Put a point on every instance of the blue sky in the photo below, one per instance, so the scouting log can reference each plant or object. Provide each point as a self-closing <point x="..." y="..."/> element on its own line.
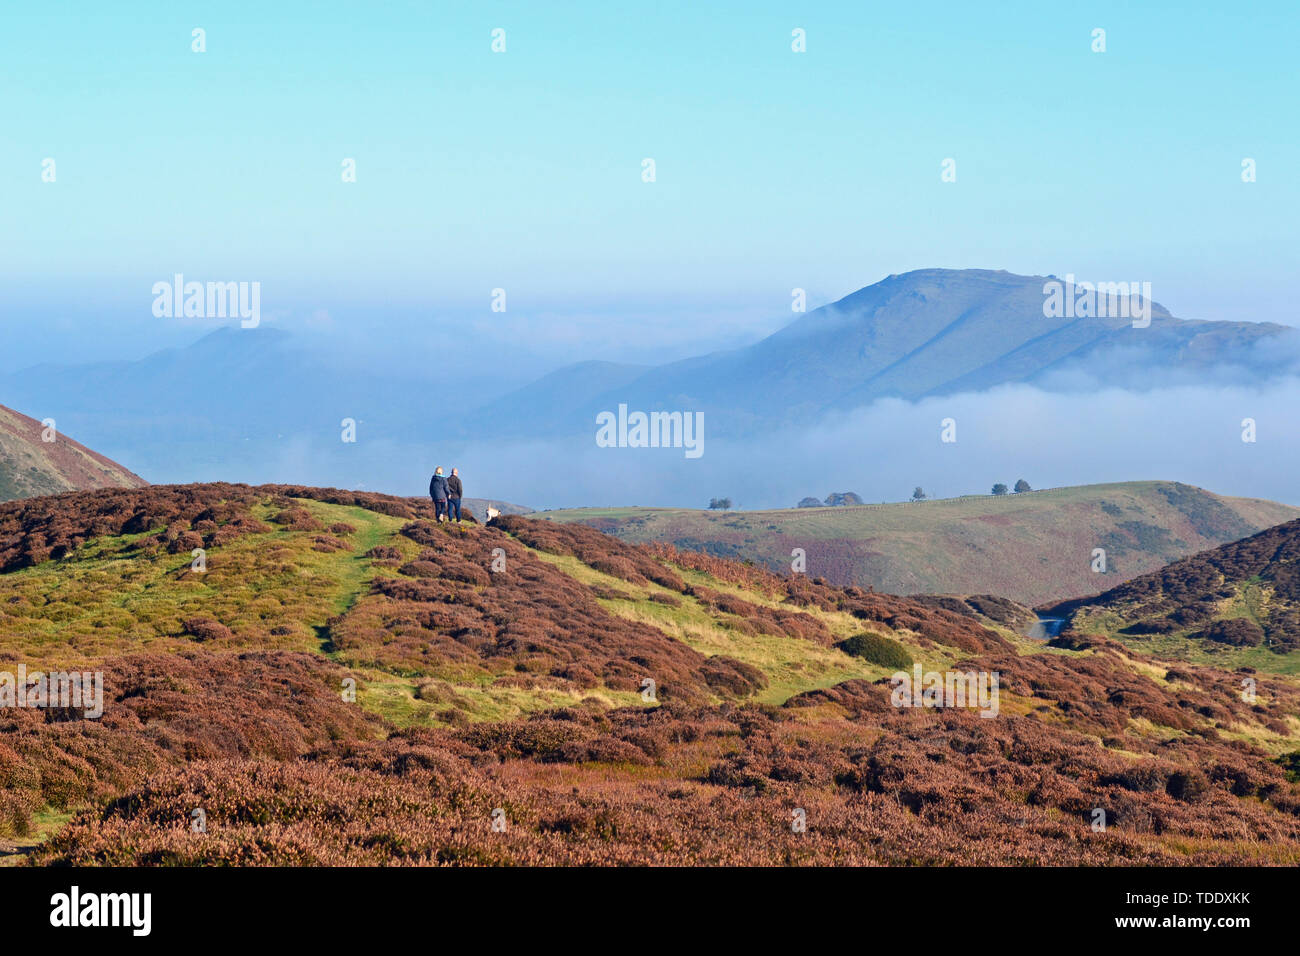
<point x="522" y="170"/>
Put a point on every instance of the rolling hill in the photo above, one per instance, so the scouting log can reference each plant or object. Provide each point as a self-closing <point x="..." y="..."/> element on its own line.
<point x="30" y="466"/>
<point x="923" y="333"/>
<point x="1236" y="606"/>
<point x="346" y="682"/>
<point x="1032" y="548"/>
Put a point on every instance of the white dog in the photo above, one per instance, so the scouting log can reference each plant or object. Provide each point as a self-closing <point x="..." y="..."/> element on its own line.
<point x="492" y="514"/>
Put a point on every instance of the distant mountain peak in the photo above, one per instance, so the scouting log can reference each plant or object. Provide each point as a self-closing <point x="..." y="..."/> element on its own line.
<point x="914" y="335"/>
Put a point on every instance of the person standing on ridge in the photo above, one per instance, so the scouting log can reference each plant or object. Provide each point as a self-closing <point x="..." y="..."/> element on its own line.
<point x="454" y="492"/>
<point x="438" y="492"/>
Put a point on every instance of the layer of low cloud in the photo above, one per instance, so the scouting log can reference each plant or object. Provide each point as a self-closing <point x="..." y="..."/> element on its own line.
<point x="1191" y="434"/>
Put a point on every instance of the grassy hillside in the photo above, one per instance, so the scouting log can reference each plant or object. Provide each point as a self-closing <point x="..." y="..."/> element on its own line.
<point x="1032" y="547"/>
<point x="30" y="466"/>
<point x="500" y="674"/>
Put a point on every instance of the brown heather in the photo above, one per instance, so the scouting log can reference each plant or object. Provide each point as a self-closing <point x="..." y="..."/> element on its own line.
<point x="289" y="773"/>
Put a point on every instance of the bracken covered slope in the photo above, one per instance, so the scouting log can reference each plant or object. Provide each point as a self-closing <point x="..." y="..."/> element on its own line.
<point x="31" y="466"/>
<point x="1236" y="604"/>
<point x="342" y="680"/>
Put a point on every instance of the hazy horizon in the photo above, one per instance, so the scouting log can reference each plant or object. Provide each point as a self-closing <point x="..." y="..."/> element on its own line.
<point x="522" y="169"/>
<point x="465" y="210"/>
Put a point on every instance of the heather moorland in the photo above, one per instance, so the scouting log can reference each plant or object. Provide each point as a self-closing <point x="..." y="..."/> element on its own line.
<point x="343" y="680"/>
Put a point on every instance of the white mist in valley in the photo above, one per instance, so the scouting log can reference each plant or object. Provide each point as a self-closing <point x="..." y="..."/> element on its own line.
<point x="1191" y="434"/>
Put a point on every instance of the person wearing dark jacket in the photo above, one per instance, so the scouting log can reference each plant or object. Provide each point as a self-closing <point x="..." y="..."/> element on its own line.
<point x="438" y="492"/>
<point x="454" y="491"/>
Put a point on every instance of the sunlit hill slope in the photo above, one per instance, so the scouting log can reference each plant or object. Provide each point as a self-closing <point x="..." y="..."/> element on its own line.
<point x="342" y="680"/>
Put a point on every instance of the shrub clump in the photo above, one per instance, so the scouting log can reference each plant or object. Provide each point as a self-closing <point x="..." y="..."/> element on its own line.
<point x="206" y="629"/>
<point x="1238" y="632"/>
<point x="876" y="649"/>
<point x="1187" y="785"/>
<point x="327" y="543"/>
<point x="732" y="676"/>
<point x="297" y="519"/>
<point x="185" y="541"/>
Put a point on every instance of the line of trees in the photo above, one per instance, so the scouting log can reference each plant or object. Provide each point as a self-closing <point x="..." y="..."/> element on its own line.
<point x="836" y="499"/>
<point x="918" y="493"/>
<point x="1021" y="487"/>
<point x="849" y="498"/>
